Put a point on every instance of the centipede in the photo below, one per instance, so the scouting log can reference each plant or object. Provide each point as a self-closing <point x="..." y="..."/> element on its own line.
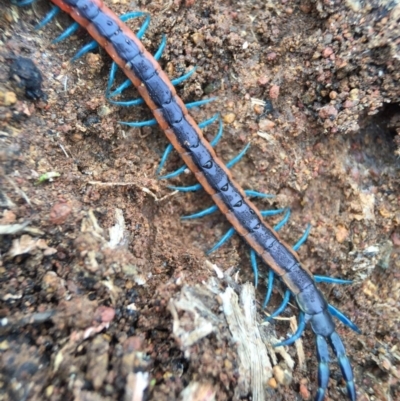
<point x="158" y="92"/>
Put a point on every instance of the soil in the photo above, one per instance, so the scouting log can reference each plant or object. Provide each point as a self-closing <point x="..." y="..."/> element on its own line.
<point x="106" y="294"/>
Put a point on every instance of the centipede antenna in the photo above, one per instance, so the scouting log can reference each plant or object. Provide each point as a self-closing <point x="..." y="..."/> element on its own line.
<point x="271" y="276"/>
<point x="302" y="239"/>
<point x="85" y="49"/>
<point x="254" y="265"/>
<point x="343" y="318"/>
<point x="331" y="280"/>
<point x="323" y="366"/>
<point x="338" y="348"/>
<point x="267" y="213"/>
<point x="225" y="238"/>
<point x="296" y="335"/>
<point x="202" y="213"/>
<point x="66" y="33"/>
<point x="49" y="16"/>
<point x="281" y="307"/>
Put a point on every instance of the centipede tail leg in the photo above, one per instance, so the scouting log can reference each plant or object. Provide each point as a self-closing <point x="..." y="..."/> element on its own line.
<point x="344" y="363"/>
<point x="343" y="318"/>
<point x="323" y="366"/>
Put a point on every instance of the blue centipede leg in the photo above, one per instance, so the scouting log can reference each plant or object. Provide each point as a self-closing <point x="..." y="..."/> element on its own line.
<point x="212" y="143"/>
<point x="295" y="336"/>
<point x="164" y="157"/>
<point x="139" y="124"/>
<point x="184" y="77"/>
<point x="49" y="16"/>
<point x="281" y="307"/>
<point x="283" y="221"/>
<point x="302" y="239"/>
<point x="250" y="193"/>
<point x="343" y="318"/>
<point x="85" y="49"/>
<point x="191" y="188"/>
<point x="267" y="213"/>
<point x="323" y="366"/>
<point x="331" y="280"/>
<point x="344" y="363"/>
<point x="67" y="33"/>
<point x="203" y="213"/>
<point x="127" y="83"/>
<point x="225" y="238"/>
<point x="237" y="158"/>
<point x="254" y="265"/>
<point x="271" y="276"/>
<point x="22" y="3"/>
<point x="199" y="103"/>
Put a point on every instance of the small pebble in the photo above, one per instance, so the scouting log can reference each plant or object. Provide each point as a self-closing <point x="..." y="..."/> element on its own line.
<point x="266" y="125"/>
<point x="229" y="118"/>
<point x="341" y="234"/>
<point x="328" y="112"/>
<point x="274" y="92"/>
<point x="327" y="52"/>
<point x="59" y="213"/>
<point x="7" y="98"/>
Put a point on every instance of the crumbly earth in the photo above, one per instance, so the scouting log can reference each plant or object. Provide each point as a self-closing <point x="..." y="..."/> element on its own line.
<point x="313" y="85"/>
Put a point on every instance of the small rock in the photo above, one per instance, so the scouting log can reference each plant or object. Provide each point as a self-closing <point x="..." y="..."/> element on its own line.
<point x="59" y="213"/>
<point x="7" y="98"/>
<point x="272" y="383"/>
<point x="263" y="80"/>
<point x="304" y="392"/>
<point x="341" y="234"/>
<point x="333" y="95"/>
<point x="229" y="118"/>
<point x="327" y="52"/>
<point x="328" y="112"/>
<point x="282" y="376"/>
<point x="271" y="56"/>
<point x="274" y="92"/>
<point x="266" y="125"/>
